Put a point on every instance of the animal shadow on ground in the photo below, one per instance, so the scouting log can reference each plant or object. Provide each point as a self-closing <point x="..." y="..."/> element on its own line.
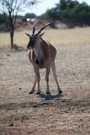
<point x="50" y="97"/>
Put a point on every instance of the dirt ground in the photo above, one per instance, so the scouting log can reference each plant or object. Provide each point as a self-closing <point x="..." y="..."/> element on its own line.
<point x="66" y="114"/>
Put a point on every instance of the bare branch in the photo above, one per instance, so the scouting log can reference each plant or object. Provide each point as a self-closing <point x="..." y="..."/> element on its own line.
<point x="11" y="8"/>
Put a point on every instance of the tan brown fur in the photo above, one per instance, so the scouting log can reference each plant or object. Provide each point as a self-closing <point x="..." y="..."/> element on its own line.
<point x="49" y="54"/>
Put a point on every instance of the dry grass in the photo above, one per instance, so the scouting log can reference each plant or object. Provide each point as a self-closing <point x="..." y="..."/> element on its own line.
<point x="24" y="114"/>
<point x="56" y="36"/>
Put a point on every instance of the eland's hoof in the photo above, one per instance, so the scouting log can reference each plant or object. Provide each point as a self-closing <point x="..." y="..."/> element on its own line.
<point x="31" y="92"/>
<point x="48" y="92"/>
<point x="59" y="91"/>
<point x="38" y="92"/>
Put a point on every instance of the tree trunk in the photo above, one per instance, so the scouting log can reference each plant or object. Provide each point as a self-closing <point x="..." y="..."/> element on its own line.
<point x="11" y="28"/>
<point x="12" y="37"/>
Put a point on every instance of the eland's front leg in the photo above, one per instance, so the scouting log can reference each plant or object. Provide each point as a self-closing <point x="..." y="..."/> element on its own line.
<point x="33" y="88"/>
<point x="47" y="80"/>
<point x="37" y="80"/>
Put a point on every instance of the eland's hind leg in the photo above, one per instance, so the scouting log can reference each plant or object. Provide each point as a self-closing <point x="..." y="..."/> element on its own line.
<point x="55" y="77"/>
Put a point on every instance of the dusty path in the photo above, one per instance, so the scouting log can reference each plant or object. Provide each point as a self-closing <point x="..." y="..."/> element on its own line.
<point x="24" y="114"/>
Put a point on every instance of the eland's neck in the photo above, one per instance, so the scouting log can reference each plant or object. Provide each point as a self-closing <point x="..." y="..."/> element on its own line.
<point x="38" y="50"/>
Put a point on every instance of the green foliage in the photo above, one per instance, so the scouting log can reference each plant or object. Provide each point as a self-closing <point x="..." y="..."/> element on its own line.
<point x="52" y="13"/>
<point x="71" y="12"/>
<point x="30" y="15"/>
<point x="2" y="19"/>
<point x="78" y="15"/>
<point x="67" y="4"/>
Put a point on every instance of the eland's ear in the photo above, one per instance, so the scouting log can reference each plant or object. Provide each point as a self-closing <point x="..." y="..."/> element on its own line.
<point x="41" y="34"/>
<point x="27" y="35"/>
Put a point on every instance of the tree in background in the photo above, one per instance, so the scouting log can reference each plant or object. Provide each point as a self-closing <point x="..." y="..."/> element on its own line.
<point x="75" y="13"/>
<point x="30" y="15"/>
<point x="10" y="10"/>
<point x="52" y="13"/>
<point x="70" y="12"/>
<point x="2" y="20"/>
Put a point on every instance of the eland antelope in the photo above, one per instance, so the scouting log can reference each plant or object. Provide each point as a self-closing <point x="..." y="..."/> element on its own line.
<point x="42" y="55"/>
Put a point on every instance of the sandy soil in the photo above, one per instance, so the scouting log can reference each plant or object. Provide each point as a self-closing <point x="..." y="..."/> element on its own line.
<point x="66" y="114"/>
